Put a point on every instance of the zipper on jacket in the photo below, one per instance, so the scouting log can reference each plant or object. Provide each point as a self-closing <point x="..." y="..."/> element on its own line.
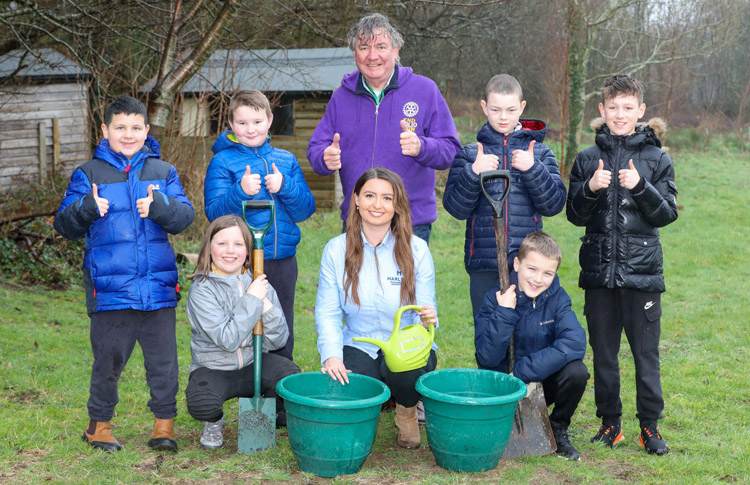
<point x="275" y="228"/>
<point x="505" y="167"/>
<point x="375" y="136"/>
<point x="615" y="204"/>
<point x="135" y="228"/>
<point x="239" y="349"/>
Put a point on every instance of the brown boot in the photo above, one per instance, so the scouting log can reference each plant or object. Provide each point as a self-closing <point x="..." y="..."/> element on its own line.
<point x="162" y="438"/>
<point x="99" y="435"/>
<point x="408" y="427"/>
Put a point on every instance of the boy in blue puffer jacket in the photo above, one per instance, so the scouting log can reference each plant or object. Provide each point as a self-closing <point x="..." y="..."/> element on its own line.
<point x="550" y="342"/>
<point x="509" y="143"/>
<point x="125" y="202"/>
<point x="241" y="156"/>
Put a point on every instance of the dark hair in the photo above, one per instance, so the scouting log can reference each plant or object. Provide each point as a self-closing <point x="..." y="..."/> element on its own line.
<point x="621" y="85"/>
<point x="400" y="229"/>
<point x="126" y="105"/>
<point x="542" y="243"/>
<point x="251" y="98"/>
<point x="503" y="84"/>
<point x="203" y="266"/>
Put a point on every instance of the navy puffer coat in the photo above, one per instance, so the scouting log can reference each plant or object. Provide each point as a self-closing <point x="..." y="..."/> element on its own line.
<point x="547" y="333"/>
<point x="534" y="193"/>
<point x="621" y="247"/>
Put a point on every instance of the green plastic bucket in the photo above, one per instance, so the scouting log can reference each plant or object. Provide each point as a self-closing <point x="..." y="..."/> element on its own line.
<point x="331" y="426"/>
<point x="469" y="416"/>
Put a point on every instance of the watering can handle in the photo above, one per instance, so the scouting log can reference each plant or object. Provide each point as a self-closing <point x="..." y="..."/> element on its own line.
<point x="397" y="318"/>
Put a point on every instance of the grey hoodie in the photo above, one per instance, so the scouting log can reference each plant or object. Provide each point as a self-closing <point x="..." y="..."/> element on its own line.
<point x="222" y="316"/>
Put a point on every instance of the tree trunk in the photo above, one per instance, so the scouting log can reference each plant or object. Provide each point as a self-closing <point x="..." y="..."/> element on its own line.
<point x="170" y="81"/>
<point x="577" y="59"/>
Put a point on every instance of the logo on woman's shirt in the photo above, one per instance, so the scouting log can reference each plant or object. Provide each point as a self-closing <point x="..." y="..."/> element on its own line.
<point x="395" y="280"/>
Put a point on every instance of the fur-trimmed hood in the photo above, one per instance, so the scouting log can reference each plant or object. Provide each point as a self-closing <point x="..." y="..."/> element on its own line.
<point x="658" y="125"/>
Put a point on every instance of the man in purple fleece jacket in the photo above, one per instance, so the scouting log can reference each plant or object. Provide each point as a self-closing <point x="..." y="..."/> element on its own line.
<point x="384" y="115"/>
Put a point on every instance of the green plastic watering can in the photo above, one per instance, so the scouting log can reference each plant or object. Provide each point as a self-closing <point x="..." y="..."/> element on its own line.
<point x="408" y="348"/>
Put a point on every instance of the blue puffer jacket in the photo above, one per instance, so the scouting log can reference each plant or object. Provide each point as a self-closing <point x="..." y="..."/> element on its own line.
<point x="547" y="333"/>
<point x="223" y="195"/>
<point x="129" y="262"/>
<point x="537" y="192"/>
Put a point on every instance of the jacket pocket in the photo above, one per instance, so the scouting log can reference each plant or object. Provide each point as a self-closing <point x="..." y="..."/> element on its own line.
<point x="590" y="256"/>
<point x="643" y="255"/>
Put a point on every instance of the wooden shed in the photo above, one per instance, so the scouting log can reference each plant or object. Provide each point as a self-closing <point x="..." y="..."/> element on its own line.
<point x="299" y="83"/>
<point x="44" y="116"/>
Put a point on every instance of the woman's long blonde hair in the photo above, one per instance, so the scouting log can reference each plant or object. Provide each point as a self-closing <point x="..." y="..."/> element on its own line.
<point x="203" y="267"/>
<point x="400" y="229"/>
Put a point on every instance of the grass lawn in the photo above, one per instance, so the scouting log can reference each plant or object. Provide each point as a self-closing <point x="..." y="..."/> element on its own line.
<point x="45" y="361"/>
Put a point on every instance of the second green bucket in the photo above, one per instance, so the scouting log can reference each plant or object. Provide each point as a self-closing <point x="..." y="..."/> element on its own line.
<point x="469" y="415"/>
<point x="331" y="426"/>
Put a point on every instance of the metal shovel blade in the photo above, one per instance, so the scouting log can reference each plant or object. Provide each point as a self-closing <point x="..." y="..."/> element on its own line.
<point x="531" y="434"/>
<point x="256" y="426"/>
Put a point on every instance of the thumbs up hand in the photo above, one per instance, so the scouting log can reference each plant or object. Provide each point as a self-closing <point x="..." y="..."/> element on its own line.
<point x="601" y="178"/>
<point x="101" y="204"/>
<point x="629" y="177"/>
<point x="274" y="180"/>
<point x="332" y="154"/>
<point x="523" y="159"/>
<point x="410" y="142"/>
<point x="144" y="204"/>
<point x="484" y="162"/>
<point x="250" y="182"/>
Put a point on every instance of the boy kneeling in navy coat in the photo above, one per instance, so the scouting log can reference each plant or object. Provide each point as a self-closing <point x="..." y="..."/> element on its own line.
<point x="550" y="342"/>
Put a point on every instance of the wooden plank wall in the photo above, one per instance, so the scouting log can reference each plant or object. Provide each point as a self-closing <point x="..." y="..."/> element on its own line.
<point x="307" y="114"/>
<point x="22" y="108"/>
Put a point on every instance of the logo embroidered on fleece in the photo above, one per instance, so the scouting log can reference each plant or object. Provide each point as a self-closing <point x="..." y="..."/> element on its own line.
<point x="546" y="322"/>
<point x="411" y="109"/>
<point x="395" y="280"/>
<point x="648" y="305"/>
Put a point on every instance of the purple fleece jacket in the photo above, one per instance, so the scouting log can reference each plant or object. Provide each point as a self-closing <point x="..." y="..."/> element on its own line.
<point x="370" y="136"/>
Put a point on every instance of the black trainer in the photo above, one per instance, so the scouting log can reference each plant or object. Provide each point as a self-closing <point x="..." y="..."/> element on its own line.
<point x="610" y="433"/>
<point x="564" y="448"/>
<point x="652" y="441"/>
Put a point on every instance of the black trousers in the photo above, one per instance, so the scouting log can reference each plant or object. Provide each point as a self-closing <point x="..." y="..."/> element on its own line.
<point x="208" y="389"/>
<point x="401" y="384"/>
<point x="282" y="275"/>
<point x="565" y="389"/>
<point x="608" y="312"/>
<point x="113" y="336"/>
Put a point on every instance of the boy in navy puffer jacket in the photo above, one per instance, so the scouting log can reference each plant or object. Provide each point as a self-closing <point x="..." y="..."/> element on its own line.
<point x="125" y="202"/>
<point x="509" y="143"/>
<point x="550" y="343"/>
<point x="241" y="156"/>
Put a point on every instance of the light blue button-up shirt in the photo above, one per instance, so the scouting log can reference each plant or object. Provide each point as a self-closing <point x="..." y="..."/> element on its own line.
<point x="379" y="295"/>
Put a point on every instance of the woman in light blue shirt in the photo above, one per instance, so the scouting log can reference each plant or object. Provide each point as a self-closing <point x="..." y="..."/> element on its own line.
<point x="366" y="274"/>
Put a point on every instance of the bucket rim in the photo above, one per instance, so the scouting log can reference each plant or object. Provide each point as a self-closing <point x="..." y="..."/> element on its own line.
<point x="288" y="395"/>
<point x="430" y="393"/>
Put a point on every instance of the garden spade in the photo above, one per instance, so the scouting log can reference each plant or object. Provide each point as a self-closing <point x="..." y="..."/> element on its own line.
<point x="256" y="428"/>
<point x="531" y="433"/>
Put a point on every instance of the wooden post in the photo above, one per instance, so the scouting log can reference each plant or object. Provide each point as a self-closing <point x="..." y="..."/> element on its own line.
<point x="42" y="153"/>
<point x="55" y="145"/>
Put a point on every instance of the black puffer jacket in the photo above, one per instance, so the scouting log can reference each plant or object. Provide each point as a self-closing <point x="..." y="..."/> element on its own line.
<point x="621" y="247"/>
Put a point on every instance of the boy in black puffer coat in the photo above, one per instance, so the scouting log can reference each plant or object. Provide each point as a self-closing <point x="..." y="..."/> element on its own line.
<point x="622" y="190"/>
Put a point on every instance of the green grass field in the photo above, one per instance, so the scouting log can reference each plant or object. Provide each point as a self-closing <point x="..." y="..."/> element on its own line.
<point x="45" y="361"/>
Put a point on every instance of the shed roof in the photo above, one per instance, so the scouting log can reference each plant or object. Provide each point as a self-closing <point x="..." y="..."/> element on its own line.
<point x="42" y="63"/>
<point x="290" y="70"/>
